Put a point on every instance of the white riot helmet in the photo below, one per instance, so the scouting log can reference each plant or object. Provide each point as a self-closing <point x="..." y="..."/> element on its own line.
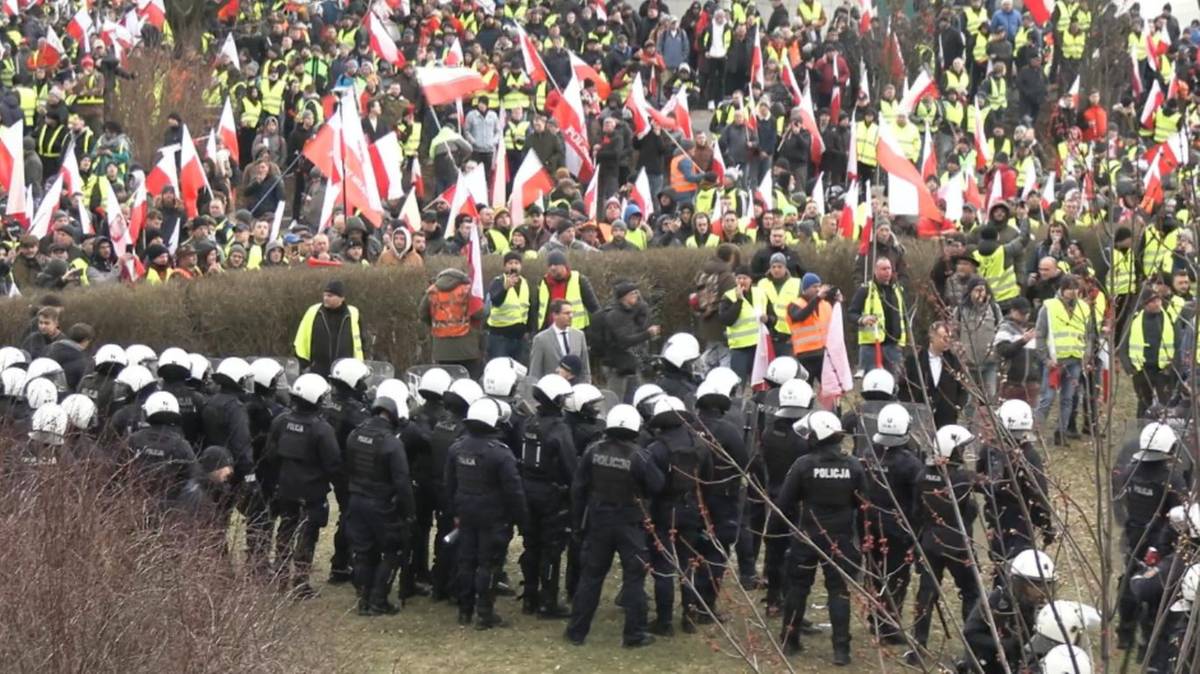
<point x="434" y="383"/>
<point x="111" y="354"/>
<point x="821" y="426"/>
<point x="1016" y="416"/>
<point x="1187" y="590"/>
<point x="505" y="411"/>
<point x="351" y="373"/>
<point x="506" y="363"/>
<point x="466" y="390"/>
<point x="949" y="438"/>
<point x="12" y="379"/>
<point x="553" y="388"/>
<point x="81" y="411"/>
<point x="160" y="402"/>
<point x="1156" y="442"/>
<point x="266" y="373"/>
<point x="782" y="370"/>
<point x="395" y="405"/>
<point x="1065" y="622"/>
<point x="891" y="428"/>
<point x="135" y="379"/>
<point x="310" y="388"/>
<point x="1193" y="520"/>
<point x="723" y="379"/>
<point x="581" y="396"/>
<point x="500" y="382"/>
<point x="176" y="358"/>
<point x="140" y="354"/>
<point x="49" y="424"/>
<point x="200" y="366"/>
<point x="712" y="393"/>
<point x="623" y="419"/>
<point x="11" y="356"/>
<point x="1033" y="565"/>
<point x="681" y="348"/>
<point x="46" y="368"/>
<point x="1066" y="659"/>
<point x="236" y="372"/>
<point x="795" y="399"/>
<point x="393" y="388"/>
<point x="40" y="392"/>
<point x="880" y="383"/>
<point x="485" y="412"/>
<point x="645" y="392"/>
<point x="668" y="411"/>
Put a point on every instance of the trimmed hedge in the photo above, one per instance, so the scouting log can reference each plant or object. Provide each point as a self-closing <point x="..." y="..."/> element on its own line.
<point x="256" y="312"/>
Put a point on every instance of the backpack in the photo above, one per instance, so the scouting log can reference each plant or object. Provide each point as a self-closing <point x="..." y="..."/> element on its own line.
<point x="708" y="294"/>
<point x="599" y="333"/>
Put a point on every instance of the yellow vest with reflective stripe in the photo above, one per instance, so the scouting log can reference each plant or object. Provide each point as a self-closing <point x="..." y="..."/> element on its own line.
<point x="498" y="240"/>
<point x="154" y="278"/>
<point x="514" y="135"/>
<point x="272" y="96"/>
<point x="958" y="81"/>
<point x="1121" y="280"/>
<point x="1157" y="249"/>
<point x="1066" y="10"/>
<point x="744" y="332"/>
<point x="412" y="143"/>
<point x="973" y="19"/>
<point x="303" y="342"/>
<point x="710" y="241"/>
<point x="1137" y="342"/>
<point x="1067" y="329"/>
<point x="908" y="140"/>
<point x="1072" y="45"/>
<point x="515" y="308"/>
<point x="1165" y="125"/>
<point x="579" y="313"/>
<point x="251" y="113"/>
<point x="82" y="265"/>
<point x="780" y="299"/>
<point x="873" y="306"/>
<point x="866" y="138"/>
<point x="28" y="99"/>
<point x="998" y="273"/>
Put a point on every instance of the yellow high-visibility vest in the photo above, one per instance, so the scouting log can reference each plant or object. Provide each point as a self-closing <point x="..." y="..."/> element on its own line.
<point x="515" y="308"/>
<point x="744" y="332"/>
<point x="1068" y="330"/>
<point x="1137" y="342"/>
<point x="780" y="299"/>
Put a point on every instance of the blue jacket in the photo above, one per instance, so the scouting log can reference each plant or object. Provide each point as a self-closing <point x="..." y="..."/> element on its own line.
<point x="1010" y="21"/>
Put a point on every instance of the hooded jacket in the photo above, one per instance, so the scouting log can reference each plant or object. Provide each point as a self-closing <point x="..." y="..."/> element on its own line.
<point x="451" y="348"/>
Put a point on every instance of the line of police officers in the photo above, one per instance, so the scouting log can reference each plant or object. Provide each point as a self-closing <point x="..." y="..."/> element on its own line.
<point x="660" y="483"/>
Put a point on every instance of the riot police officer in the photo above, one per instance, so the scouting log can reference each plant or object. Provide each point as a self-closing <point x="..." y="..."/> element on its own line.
<point x="713" y="400"/>
<point x="1168" y="655"/>
<point x="500" y="380"/>
<point x="548" y="460"/>
<point x="98" y="384"/>
<point x="878" y="389"/>
<point x="174" y="368"/>
<point x="1149" y="487"/>
<point x="487" y="498"/>
<point x="132" y="387"/>
<point x="887" y="543"/>
<point x="1062" y="622"/>
<point x="1010" y="609"/>
<point x="582" y="414"/>
<point x="262" y="407"/>
<point x="827" y="486"/>
<point x="161" y="458"/>
<point x="944" y="517"/>
<point x="1156" y="580"/>
<point x="686" y="461"/>
<point x="345" y="409"/>
<point x="381" y="500"/>
<point x="780" y="446"/>
<point x="1015" y="484"/>
<point x="456" y="400"/>
<point x="416" y="436"/>
<point x="304" y="451"/>
<point x="678" y="353"/>
<point x="610" y="496"/>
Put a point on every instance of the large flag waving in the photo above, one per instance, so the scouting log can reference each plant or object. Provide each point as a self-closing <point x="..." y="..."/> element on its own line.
<point x="444" y="85"/>
<point x="907" y="192"/>
<point x="382" y="43"/>
<point x="569" y="115"/>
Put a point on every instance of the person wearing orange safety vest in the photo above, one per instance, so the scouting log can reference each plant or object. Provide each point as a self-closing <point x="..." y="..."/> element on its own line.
<point x="446" y="308"/>
<point x="808" y="320"/>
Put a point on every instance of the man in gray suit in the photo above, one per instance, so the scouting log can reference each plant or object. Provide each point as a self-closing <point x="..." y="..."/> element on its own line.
<point x="557" y="340"/>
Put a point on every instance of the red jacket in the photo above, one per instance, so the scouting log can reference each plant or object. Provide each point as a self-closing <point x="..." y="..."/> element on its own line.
<point x="1094" y="122"/>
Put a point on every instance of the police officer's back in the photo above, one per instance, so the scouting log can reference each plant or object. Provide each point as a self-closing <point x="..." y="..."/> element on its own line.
<point x="344" y="408"/>
<point x="98" y="384"/>
<point x="131" y="389"/>
<point x="174" y="369"/>
<point x="160" y="457"/>
<point x="678" y="353"/>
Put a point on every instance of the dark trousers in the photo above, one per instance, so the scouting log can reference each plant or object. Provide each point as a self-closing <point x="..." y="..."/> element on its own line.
<point x="754" y="515"/>
<point x="628" y="542"/>
<point x="930" y="588"/>
<point x="499" y="346"/>
<point x="803" y="561"/>
<point x="890" y="569"/>
<point x="813" y="362"/>
<point x="481" y="550"/>
<point x="714" y="80"/>
<point x="300" y="524"/>
<point x="340" y="562"/>
<point x="416" y="565"/>
<point x="545" y="538"/>
<point x="259" y="524"/>
<point x="444" y="558"/>
<point x="1151" y="385"/>
<point x="376" y="533"/>
<point x="689" y="542"/>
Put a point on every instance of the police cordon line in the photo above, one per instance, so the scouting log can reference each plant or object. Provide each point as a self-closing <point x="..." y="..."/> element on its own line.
<point x="675" y="485"/>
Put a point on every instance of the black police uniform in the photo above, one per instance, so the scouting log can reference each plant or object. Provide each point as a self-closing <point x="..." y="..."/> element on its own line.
<point x="780" y="448"/>
<point x="447" y="430"/>
<point x="585" y="429"/>
<point x="381" y="505"/>
<point x="191" y="403"/>
<point x="345" y="410"/>
<point x="726" y="493"/>
<point x="548" y="461"/>
<point x="416" y="436"/>
<point x="827" y="486"/>
<point x="128" y="417"/>
<point x="754" y="511"/>
<point x="946" y="545"/>
<point x="1014" y="621"/>
<point x="1012" y="476"/>
<point x="1149" y="489"/>
<point x="887" y="541"/>
<point x="487" y="497"/>
<point x="610" y="495"/>
<point x="687" y="463"/>
<point x="305" y="453"/>
<point x="98" y="386"/>
<point x="1150" y="587"/>
<point x="678" y="383"/>
<point x="164" y="464"/>
<point x="261" y="410"/>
